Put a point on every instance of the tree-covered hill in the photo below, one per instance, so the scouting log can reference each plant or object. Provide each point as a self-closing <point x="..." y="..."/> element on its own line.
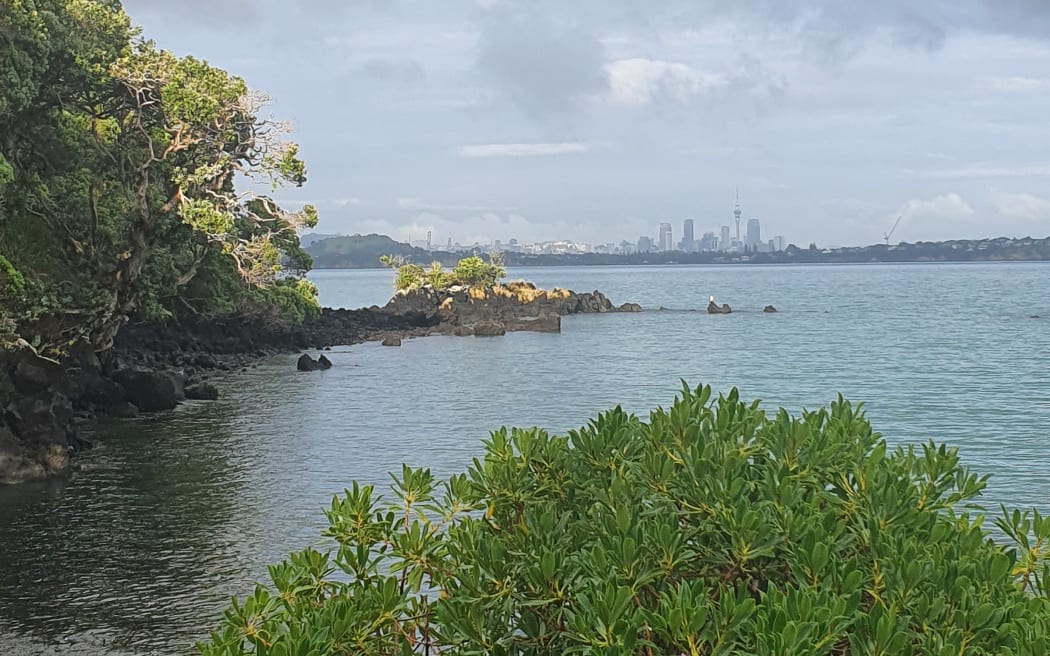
<point x="364" y="251"/>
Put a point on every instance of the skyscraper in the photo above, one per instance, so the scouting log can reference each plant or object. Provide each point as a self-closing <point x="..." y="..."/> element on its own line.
<point x="723" y="244"/>
<point x="666" y="242"/>
<point x="736" y="213"/>
<point x="754" y="233"/>
<point x="645" y="244"/>
<point x="687" y="236"/>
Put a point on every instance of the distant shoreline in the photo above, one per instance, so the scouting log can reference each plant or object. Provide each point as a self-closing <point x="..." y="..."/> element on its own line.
<point x="712" y="264"/>
<point x="363" y="252"/>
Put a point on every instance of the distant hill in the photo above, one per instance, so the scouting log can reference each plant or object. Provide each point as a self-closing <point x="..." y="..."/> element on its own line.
<point x="364" y="251"/>
<point x="312" y="238"/>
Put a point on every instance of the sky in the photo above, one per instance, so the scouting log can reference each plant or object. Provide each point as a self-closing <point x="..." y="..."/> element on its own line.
<point x="596" y="120"/>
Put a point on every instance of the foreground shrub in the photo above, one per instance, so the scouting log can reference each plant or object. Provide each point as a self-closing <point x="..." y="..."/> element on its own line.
<point x="711" y="528"/>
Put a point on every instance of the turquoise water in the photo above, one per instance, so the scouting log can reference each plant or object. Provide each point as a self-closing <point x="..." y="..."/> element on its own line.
<point x="139" y="552"/>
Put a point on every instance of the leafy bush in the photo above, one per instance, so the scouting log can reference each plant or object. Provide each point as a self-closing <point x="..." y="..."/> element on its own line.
<point x="289" y="301"/>
<point x="476" y="271"/>
<point x="711" y="528"/>
<point x="468" y="271"/>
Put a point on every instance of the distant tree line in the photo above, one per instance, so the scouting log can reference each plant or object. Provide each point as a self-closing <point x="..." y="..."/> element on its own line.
<point x="364" y="251"/>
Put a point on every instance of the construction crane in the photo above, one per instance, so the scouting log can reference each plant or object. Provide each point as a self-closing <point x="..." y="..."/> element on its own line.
<point x="889" y="234"/>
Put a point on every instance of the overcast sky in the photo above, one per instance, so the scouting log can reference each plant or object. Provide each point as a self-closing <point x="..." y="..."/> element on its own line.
<point x="596" y="120"/>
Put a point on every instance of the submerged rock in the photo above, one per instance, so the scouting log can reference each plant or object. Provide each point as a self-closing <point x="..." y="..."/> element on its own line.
<point x="125" y="410"/>
<point x="202" y="392"/>
<point x="307" y="363"/>
<point x="769" y="308"/>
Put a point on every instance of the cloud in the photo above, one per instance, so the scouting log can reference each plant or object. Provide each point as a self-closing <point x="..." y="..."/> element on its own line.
<point x="987" y="171"/>
<point x="1025" y="207"/>
<point x="417" y="204"/>
<point x="544" y="67"/>
<point x="521" y="149"/>
<point x="947" y="207"/>
<point x="638" y="81"/>
<point x="403" y="70"/>
<point x="1016" y="84"/>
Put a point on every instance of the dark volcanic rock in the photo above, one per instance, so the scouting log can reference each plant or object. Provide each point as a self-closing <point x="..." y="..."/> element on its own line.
<point x="769" y="308"/>
<point x="547" y="322"/>
<point x="202" y="392"/>
<point x="713" y="308"/>
<point x="150" y="391"/>
<point x="125" y="410"/>
<point x="324" y="363"/>
<point x="37" y="420"/>
<point x="489" y="328"/>
<point x="306" y="363"/>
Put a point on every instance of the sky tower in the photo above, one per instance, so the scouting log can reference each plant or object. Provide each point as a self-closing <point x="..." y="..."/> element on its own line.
<point x="737" y="213"/>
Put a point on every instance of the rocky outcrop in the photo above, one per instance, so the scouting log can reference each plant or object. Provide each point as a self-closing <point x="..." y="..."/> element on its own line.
<point x="769" y="309"/>
<point x="714" y="308"/>
<point x="514" y="306"/>
<point x="392" y="341"/>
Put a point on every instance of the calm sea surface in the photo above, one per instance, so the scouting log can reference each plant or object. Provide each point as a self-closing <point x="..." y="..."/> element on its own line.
<point x="171" y="515"/>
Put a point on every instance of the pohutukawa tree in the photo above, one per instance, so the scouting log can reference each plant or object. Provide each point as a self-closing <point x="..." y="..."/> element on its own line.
<point x="119" y="173"/>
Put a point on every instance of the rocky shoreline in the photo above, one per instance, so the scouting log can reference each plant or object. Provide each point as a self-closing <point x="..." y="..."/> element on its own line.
<point x="153" y="367"/>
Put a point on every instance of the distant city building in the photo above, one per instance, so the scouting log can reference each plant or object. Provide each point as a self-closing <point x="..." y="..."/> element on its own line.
<point x="737" y="212"/>
<point x="754" y="233"/>
<point x="777" y="243"/>
<point x="645" y="244"/>
<point x="709" y="242"/>
<point x="666" y="242"/>
<point x="688" y="242"/>
<point x="723" y="243"/>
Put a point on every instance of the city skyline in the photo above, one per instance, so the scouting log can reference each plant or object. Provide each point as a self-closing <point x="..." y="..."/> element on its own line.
<point x="725" y="241"/>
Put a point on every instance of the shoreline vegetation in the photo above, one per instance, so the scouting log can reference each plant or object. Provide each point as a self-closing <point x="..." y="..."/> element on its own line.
<point x="365" y="251"/>
<point x="709" y="527"/>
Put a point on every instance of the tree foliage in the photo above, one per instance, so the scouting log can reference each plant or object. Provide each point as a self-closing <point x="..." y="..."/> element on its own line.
<point x="118" y="164"/>
<point x="711" y="528"/>
<point x="468" y="271"/>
